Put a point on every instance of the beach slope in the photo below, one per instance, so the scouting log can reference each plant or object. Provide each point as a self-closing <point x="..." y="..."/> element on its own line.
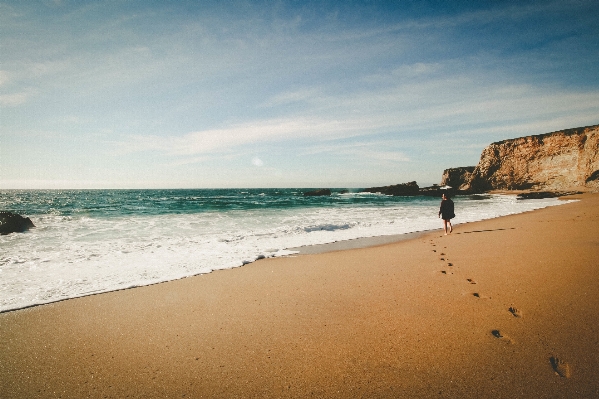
<point x="502" y="308"/>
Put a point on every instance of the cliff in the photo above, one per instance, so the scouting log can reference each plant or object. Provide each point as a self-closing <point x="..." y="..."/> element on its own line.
<point x="553" y="161"/>
<point x="456" y="177"/>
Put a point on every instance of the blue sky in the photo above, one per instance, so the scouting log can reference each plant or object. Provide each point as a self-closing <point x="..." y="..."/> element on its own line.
<point x="193" y="94"/>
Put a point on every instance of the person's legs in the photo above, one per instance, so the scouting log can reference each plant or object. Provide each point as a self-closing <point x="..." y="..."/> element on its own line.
<point x="445" y="223"/>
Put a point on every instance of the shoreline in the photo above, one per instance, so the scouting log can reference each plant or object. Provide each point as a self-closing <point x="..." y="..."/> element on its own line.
<point x="506" y="307"/>
<point x="313" y="249"/>
<point x="309" y="249"/>
<point x="356" y="243"/>
<point x="366" y="242"/>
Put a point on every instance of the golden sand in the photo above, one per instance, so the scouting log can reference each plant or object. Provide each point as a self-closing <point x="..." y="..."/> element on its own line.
<point x="502" y="308"/>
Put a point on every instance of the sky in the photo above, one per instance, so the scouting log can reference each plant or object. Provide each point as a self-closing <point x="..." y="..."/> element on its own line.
<point x="210" y="94"/>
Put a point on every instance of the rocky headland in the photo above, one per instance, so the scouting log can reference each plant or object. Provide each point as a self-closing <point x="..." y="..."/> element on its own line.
<point x="543" y="165"/>
<point x="563" y="160"/>
<point x="456" y="177"/>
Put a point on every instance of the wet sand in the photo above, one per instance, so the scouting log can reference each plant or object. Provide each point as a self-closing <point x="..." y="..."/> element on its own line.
<point x="502" y="308"/>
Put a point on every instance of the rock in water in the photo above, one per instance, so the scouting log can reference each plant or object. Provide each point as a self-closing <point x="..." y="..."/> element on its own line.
<point x="546" y="194"/>
<point x="457" y="177"/>
<point x="13" y="223"/>
<point x="404" y="189"/>
<point x="316" y="193"/>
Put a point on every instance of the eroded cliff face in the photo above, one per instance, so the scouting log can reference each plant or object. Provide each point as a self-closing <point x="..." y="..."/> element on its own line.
<point x="554" y="161"/>
<point x="456" y="177"/>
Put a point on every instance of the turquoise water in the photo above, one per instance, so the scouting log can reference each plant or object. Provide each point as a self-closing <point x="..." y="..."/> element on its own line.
<point x="115" y="203"/>
<point x="90" y="241"/>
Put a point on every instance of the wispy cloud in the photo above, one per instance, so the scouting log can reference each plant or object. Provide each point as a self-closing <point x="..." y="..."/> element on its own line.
<point x="16" y="99"/>
<point x="3" y="77"/>
<point x="212" y="140"/>
<point x="305" y="95"/>
<point x="378" y="150"/>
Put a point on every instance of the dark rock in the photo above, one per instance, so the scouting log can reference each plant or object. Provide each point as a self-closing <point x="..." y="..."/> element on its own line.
<point x="593" y="176"/>
<point x="404" y="189"/>
<point x="545" y="194"/>
<point x="317" y="193"/>
<point x="457" y="177"/>
<point x="13" y="223"/>
<point x="537" y="195"/>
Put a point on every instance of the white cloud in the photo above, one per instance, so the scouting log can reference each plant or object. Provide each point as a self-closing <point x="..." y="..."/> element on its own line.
<point x="189" y="161"/>
<point x="214" y="140"/>
<point x="3" y="77"/>
<point x="257" y="162"/>
<point x="405" y="72"/>
<point x="290" y="97"/>
<point x="14" y="99"/>
<point x="363" y="151"/>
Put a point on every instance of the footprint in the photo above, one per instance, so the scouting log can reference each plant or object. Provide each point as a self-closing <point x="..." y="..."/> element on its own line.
<point x="515" y="312"/>
<point x="442" y="253"/>
<point x="472" y="281"/>
<point x="560" y="367"/>
<point x="443" y="271"/>
<point x="449" y="264"/>
<point x="476" y="294"/>
<point x="442" y="258"/>
<point x="496" y="334"/>
<point x="499" y="335"/>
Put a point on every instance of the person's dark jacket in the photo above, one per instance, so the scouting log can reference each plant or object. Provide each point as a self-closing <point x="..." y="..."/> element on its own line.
<point x="447" y="210"/>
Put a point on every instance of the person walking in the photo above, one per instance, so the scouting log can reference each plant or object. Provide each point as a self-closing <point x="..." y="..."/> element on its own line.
<point x="446" y="212"/>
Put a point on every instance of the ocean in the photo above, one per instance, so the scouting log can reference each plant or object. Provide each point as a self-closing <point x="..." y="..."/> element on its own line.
<point x="91" y="241"/>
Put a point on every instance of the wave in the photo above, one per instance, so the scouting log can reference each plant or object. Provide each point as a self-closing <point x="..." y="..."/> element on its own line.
<point x="327" y="227"/>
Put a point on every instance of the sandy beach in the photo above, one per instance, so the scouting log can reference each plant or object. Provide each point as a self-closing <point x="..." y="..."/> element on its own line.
<point x="503" y="308"/>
